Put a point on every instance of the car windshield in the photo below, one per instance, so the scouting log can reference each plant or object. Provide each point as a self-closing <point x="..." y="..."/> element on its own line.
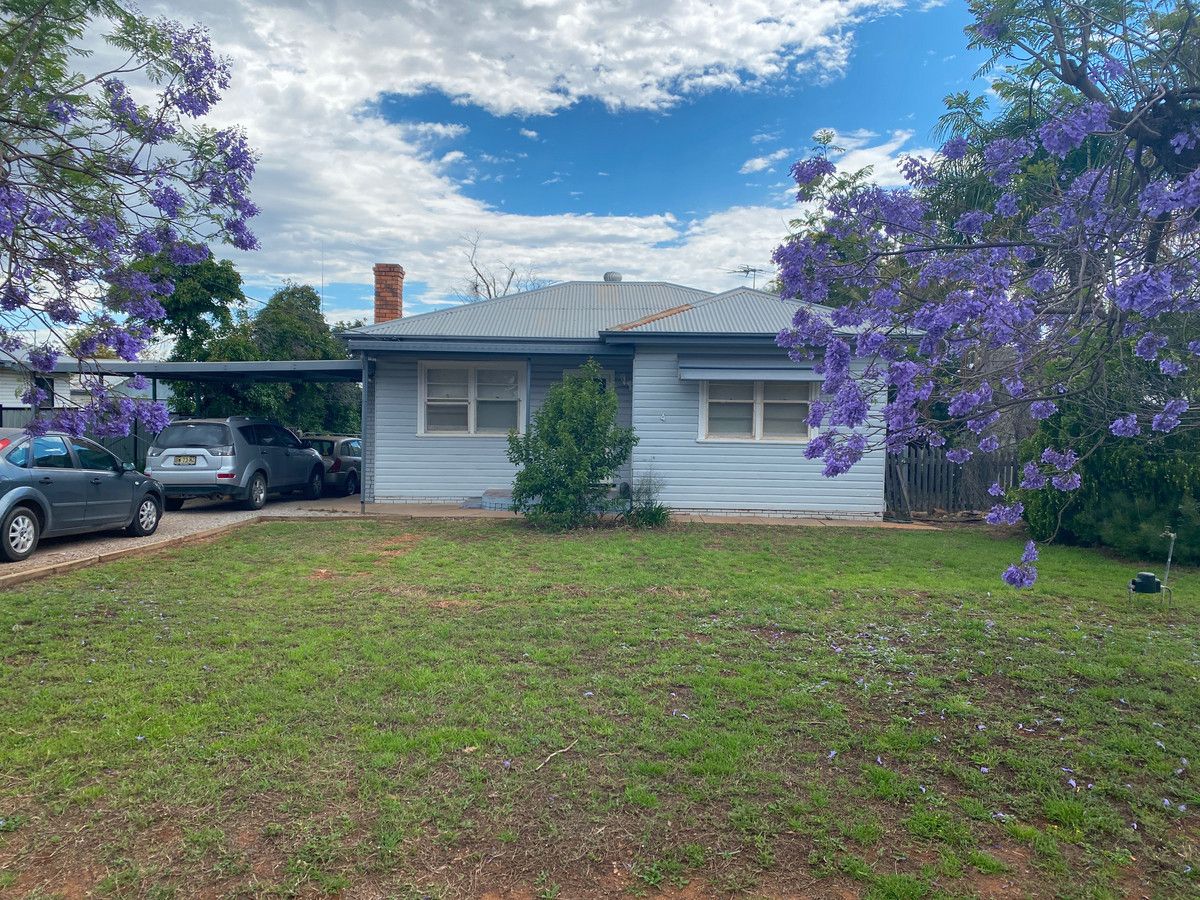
<point x="194" y="434"/>
<point x="325" y="448"/>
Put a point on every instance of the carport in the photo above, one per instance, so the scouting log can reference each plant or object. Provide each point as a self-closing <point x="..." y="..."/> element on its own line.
<point x="309" y="370"/>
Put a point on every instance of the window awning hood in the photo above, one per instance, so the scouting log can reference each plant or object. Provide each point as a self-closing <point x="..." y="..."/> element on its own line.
<point x="735" y="368"/>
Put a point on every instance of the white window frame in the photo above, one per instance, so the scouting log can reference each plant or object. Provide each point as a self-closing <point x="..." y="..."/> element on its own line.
<point x="471" y="368"/>
<point x="758" y="437"/>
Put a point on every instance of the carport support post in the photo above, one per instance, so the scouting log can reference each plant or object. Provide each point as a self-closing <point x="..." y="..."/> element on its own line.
<point x="366" y="482"/>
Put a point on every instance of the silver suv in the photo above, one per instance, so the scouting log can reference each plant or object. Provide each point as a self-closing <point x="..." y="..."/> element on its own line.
<point x="240" y="457"/>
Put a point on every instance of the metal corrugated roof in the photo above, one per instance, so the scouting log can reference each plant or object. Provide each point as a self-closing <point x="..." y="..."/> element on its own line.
<point x="739" y="311"/>
<point x="573" y="310"/>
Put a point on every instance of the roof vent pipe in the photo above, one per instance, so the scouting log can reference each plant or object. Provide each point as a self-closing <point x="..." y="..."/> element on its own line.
<point x="612" y="276"/>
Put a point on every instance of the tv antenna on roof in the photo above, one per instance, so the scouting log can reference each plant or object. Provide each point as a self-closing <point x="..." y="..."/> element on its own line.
<point x="751" y="272"/>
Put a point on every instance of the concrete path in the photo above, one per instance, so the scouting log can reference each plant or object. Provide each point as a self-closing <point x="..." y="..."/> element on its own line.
<point x="454" y="511"/>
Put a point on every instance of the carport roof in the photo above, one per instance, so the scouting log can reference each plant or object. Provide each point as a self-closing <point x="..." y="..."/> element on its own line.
<point x="315" y="370"/>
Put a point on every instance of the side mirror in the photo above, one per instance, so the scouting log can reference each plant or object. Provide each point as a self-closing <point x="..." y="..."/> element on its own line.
<point x="128" y="467"/>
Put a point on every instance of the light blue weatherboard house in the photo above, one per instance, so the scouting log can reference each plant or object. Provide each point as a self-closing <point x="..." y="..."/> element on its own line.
<point x="719" y="409"/>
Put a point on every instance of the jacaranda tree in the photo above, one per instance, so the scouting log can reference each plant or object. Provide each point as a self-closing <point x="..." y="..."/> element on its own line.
<point x="100" y="171"/>
<point x="1046" y="257"/>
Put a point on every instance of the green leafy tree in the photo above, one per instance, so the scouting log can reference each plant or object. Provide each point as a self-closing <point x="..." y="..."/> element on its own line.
<point x="202" y="304"/>
<point x="1130" y="494"/>
<point x="290" y="326"/>
<point x="572" y="447"/>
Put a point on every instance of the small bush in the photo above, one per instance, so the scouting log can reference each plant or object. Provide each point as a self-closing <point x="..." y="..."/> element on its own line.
<point x="644" y="509"/>
<point x="572" y="448"/>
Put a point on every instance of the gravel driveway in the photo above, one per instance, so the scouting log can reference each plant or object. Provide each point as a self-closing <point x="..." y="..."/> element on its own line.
<point x="196" y="517"/>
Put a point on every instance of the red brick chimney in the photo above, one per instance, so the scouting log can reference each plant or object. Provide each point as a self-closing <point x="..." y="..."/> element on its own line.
<point x="389" y="292"/>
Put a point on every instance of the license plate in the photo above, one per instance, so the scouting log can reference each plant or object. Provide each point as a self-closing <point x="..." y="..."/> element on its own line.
<point x="185" y="460"/>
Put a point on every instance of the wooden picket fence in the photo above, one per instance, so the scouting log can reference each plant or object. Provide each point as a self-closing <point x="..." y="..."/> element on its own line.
<point x="922" y="480"/>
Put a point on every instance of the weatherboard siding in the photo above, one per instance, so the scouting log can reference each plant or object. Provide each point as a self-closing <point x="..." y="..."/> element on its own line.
<point x="13" y="384"/>
<point x="730" y="476"/>
<point x="413" y="468"/>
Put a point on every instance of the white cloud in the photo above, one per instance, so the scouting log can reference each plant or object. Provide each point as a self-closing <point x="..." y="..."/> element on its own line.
<point x="528" y="133"/>
<point x="334" y="174"/>
<point x="864" y="148"/>
<point x="759" y="163"/>
<point x="538" y="56"/>
<point x="765" y="137"/>
<point x="434" y="131"/>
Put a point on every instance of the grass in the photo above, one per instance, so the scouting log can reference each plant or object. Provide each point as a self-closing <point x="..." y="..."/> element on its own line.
<point x="310" y="707"/>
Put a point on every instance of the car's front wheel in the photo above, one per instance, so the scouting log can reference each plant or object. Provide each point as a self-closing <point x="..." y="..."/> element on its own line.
<point x="19" y="534"/>
<point x="256" y="495"/>
<point x="351" y="484"/>
<point x="146" y="519"/>
<point x="316" y="483"/>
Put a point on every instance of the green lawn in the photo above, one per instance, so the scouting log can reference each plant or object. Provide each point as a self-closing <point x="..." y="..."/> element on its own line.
<point x="376" y="708"/>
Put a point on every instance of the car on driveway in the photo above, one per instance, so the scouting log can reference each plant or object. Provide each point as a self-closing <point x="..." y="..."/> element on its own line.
<point x="53" y="485"/>
<point x="241" y="457"/>
<point x="342" y="455"/>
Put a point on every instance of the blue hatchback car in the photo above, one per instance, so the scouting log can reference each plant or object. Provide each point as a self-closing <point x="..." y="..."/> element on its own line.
<point x="54" y="485"/>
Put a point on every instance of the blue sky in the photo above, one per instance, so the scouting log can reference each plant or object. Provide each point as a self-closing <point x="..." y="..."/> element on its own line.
<point x="686" y="160"/>
<point x="563" y="160"/>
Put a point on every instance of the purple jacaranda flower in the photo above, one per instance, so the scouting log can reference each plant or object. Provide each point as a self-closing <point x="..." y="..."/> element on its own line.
<point x="1125" y="426"/>
<point x="1066" y="131"/>
<point x="1042" y="409"/>
<point x="1169" y="418"/>
<point x="1068" y="481"/>
<point x="1060" y="459"/>
<point x="1150" y="345"/>
<point x="955" y="148"/>
<point x="1020" y="576"/>
<point x="996" y="489"/>
<point x="1005" y="514"/>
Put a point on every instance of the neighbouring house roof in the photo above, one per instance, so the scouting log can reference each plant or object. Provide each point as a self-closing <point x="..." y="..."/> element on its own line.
<point x="592" y="310"/>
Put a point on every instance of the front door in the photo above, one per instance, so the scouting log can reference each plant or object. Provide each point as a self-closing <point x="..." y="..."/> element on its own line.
<point x="110" y="493"/>
<point x="55" y="474"/>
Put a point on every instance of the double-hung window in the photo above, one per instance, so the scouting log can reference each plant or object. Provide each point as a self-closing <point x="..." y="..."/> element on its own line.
<point x="755" y="410"/>
<point x="462" y="398"/>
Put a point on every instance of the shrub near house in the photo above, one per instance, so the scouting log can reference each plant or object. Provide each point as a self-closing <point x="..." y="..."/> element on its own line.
<point x="571" y="449"/>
